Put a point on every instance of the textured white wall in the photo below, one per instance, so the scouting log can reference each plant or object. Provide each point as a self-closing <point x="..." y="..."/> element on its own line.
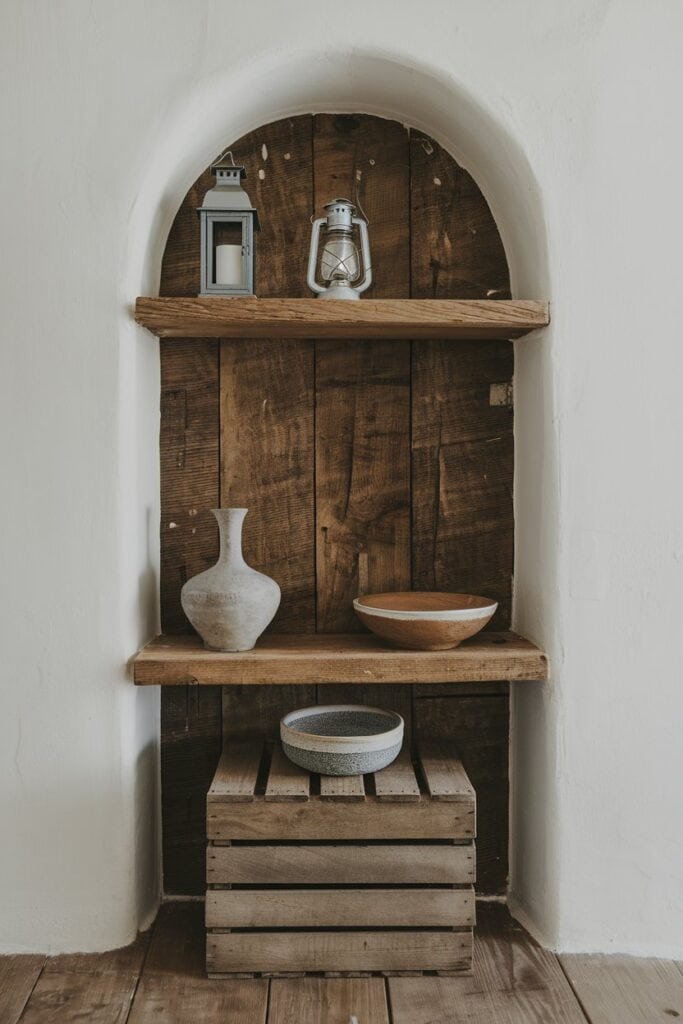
<point x="566" y="115"/>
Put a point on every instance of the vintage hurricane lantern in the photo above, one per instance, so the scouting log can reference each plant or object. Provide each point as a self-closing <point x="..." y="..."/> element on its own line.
<point x="227" y="221"/>
<point x="339" y="262"/>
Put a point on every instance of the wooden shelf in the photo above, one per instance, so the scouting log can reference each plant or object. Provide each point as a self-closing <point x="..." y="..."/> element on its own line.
<point x="447" y="319"/>
<point x="352" y="658"/>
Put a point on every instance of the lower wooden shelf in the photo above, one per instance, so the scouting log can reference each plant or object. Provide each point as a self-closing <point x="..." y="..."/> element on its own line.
<point x="348" y="658"/>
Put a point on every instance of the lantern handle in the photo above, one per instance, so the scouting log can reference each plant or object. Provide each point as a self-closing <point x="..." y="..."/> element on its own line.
<point x="365" y="248"/>
<point x="226" y="152"/>
<point x="313" y="256"/>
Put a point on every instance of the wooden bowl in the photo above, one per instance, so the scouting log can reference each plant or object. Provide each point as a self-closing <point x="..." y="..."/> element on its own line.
<point x="427" y="621"/>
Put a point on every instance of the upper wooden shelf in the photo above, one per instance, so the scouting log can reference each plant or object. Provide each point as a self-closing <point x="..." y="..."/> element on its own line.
<point x="348" y="658"/>
<point x="447" y="319"/>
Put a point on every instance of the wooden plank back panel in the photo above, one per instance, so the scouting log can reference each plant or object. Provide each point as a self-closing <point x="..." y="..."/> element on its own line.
<point x="385" y="864"/>
<point x="339" y="908"/>
<point x="363" y="388"/>
<point x="338" y="951"/>
<point x="478" y="727"/>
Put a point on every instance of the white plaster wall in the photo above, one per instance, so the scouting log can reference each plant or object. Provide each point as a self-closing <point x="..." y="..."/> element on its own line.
<point x="566" y="114"/>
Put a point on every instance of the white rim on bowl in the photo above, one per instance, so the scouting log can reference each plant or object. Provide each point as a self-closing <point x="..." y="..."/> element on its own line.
<point x="295" y="737"/>
<point x="444" y="615"/>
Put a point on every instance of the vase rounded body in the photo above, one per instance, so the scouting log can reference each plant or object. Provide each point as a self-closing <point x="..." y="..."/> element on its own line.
<point x="230" y="604"/>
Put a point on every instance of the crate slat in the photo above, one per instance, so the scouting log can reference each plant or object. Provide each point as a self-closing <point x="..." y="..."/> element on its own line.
<point x="409" y="864"/>
<point x="444" y="774"/>
<point x="286" y="781"/>
<point x="397" y="781"/>
<point x="342" y="787"/>
<point x="229" y="952"/>
<point x="237" y="772"/>
<point x="340" y="819"/>
<point x="339" y="908"/>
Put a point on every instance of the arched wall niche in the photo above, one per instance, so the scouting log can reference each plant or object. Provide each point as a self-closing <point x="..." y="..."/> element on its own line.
<point x="274" y="88"/>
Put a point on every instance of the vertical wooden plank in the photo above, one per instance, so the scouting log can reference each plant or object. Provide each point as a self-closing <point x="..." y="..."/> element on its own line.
<point x="462" y="468"/>
<point x="188" y="444"/>
<point x="478" y="728"/>
<point x="267" y="466"/>
<point x="363" y="388"/>
<point x="267" y="412"/>
<point x="190" y="749"/>
<point x="462" y="436"/>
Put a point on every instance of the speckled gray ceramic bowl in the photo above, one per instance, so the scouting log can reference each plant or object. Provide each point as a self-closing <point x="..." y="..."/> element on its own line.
<point x="342" y="739"/>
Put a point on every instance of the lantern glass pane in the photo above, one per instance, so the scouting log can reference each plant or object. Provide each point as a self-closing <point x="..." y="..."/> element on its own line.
<point x="339" y="257"/>
<point x="228" y="262"/>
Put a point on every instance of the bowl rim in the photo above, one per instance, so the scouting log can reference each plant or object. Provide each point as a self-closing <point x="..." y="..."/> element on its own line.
<point x="296" y="737"/>
<point x="441" y="615"/>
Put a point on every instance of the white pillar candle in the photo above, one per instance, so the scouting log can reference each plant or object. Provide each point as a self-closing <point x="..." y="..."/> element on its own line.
<point x="229" y="268"/>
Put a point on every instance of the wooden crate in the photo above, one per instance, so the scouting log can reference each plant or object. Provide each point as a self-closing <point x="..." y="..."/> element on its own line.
<point x="309" y="873"/>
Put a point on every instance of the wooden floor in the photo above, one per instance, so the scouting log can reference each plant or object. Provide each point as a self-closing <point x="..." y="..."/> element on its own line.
<point x="161" y="979"/>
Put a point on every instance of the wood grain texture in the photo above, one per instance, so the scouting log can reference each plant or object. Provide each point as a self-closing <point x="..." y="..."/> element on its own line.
<point x="339" y="908"/>
<point x="342" y="787"/>
<point x="286" y="781"/>
<point x="237" y="771"/>
<point x="301" y="660"/>
<point x="404" y="864"/>
<point x="267" y="465"/>
<point x="624" y="990"/>
<point x="463" y="524"/>
<point x="174" y="988"/>
<point x="191" y="740"/>
<point x="478" y="728"/>
<point x="256" y="711"/>
<point x="338" y="951"/>
<point x="397" y="781"/>
<point x="334" y="1001"/>
<point x="446" y="319"/>
<point x="18" y="975"/>
<point x="70" y="998"/>
<point x="363" y="388"/>
<point x="336" y="819"/>
<point x="443" y="772"/>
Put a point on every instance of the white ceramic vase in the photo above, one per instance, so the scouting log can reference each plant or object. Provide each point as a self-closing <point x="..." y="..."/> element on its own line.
<point x="230" y="604"/>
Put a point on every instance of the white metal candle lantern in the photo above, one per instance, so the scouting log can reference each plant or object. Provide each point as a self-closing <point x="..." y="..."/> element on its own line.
<point x="227" y="221"/>
<point x="339" y="262"/>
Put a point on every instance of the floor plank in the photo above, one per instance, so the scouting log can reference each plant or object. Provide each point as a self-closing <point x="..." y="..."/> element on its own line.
<point x="18" y="975"/>
<point x="514" y="981"/>
<point x="174" y="988"/>
<point x="626" y="990"/>
<point x="328" y="1001"/>
<point x="125" y="961"/>
<point x="66" y="997"/>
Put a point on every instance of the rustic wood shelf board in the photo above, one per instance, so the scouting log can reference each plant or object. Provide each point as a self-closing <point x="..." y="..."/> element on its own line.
<point x="345" y="658"/>
<point x="445" y="319"/>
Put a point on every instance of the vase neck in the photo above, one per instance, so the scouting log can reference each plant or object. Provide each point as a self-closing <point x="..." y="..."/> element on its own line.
<point x="230" y="522"/>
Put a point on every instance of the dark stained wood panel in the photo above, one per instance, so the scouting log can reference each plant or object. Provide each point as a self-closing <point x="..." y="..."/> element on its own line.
<point x="267" y="466"/>
<point x="363" y="388"/>
<point x="462" y="466"/>
<point x="191" y="741"/>
<point x="362" y="475"/>
<point x="478" y="729"/>
<point x="456" y="250"/>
